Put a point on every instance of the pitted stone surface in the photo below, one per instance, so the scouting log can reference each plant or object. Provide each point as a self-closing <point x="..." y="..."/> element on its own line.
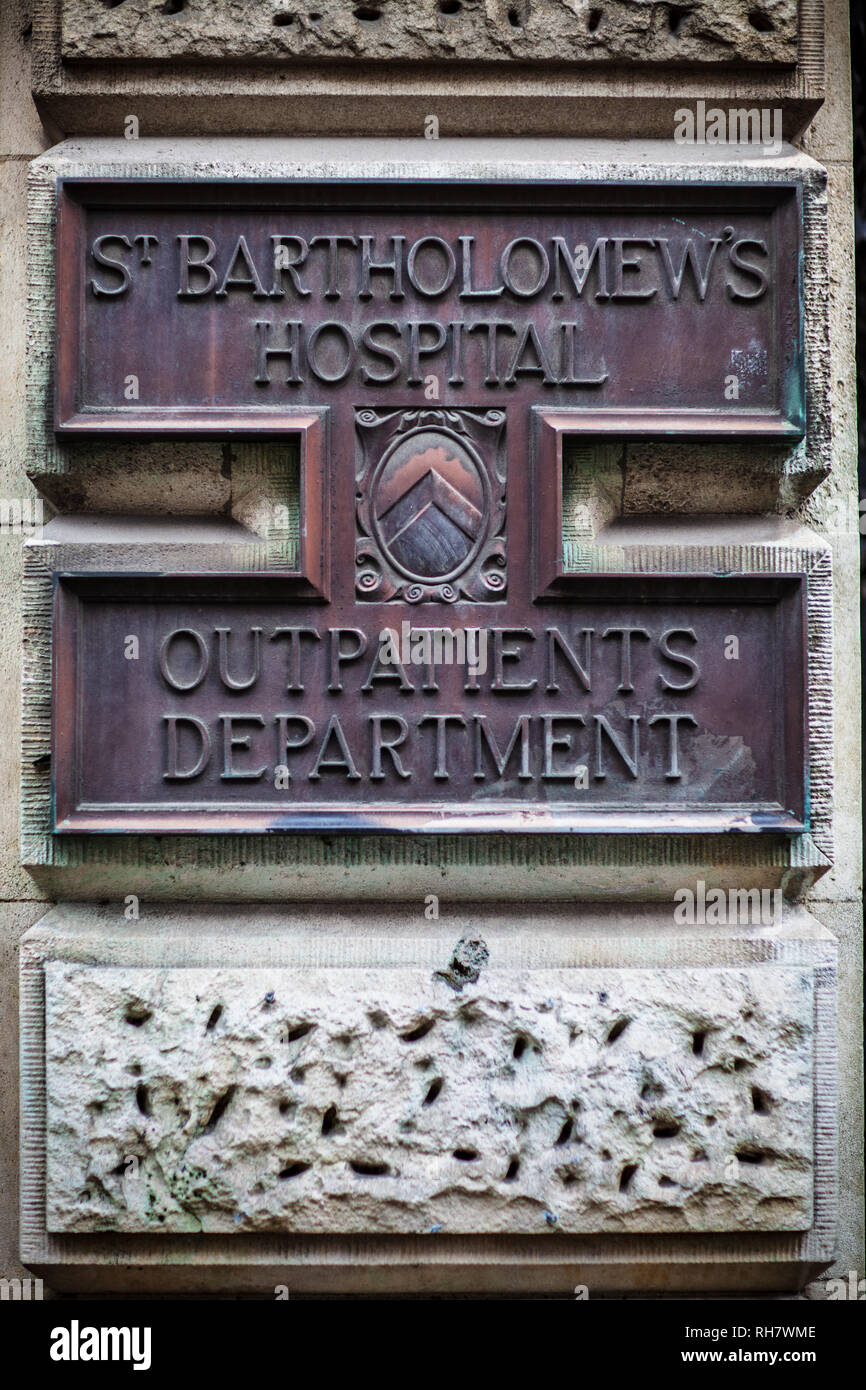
<point x="348" y="1100"/>
<point x="562" y="31"/>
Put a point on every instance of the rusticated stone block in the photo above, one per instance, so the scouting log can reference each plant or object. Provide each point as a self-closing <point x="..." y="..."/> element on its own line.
<point x="342" y="1100"/>
<point x="464" y="31"/>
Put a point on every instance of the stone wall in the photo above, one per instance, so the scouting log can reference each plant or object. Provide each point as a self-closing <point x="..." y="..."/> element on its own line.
<point x="632" y="1101"/>
<point x="458" y="31"/>
<point x="552" y="67"/>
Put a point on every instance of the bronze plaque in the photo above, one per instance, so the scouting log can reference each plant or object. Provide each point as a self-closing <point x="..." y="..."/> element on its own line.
<point x="431" y="665"/>
<point x="224" y="703"/>
<point x="641" y="310"/>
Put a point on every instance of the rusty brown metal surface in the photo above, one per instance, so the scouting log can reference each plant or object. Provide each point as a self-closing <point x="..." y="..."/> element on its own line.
<point x="232" y="306"/>
<point x="246" y="709"/>
<point x="430" y="666"/>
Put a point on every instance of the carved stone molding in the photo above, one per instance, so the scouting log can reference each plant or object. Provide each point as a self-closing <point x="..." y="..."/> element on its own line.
<point x="505" y="67"/>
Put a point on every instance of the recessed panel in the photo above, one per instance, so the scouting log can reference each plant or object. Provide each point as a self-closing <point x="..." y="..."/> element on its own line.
<point x="404" y="1101"/>
<point x="640" y="702"/>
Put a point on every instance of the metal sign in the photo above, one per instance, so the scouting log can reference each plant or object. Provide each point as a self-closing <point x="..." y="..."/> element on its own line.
<point x="243" y="710"/>
<point x="431" y="664"/>
<point x="645" y="310"/>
